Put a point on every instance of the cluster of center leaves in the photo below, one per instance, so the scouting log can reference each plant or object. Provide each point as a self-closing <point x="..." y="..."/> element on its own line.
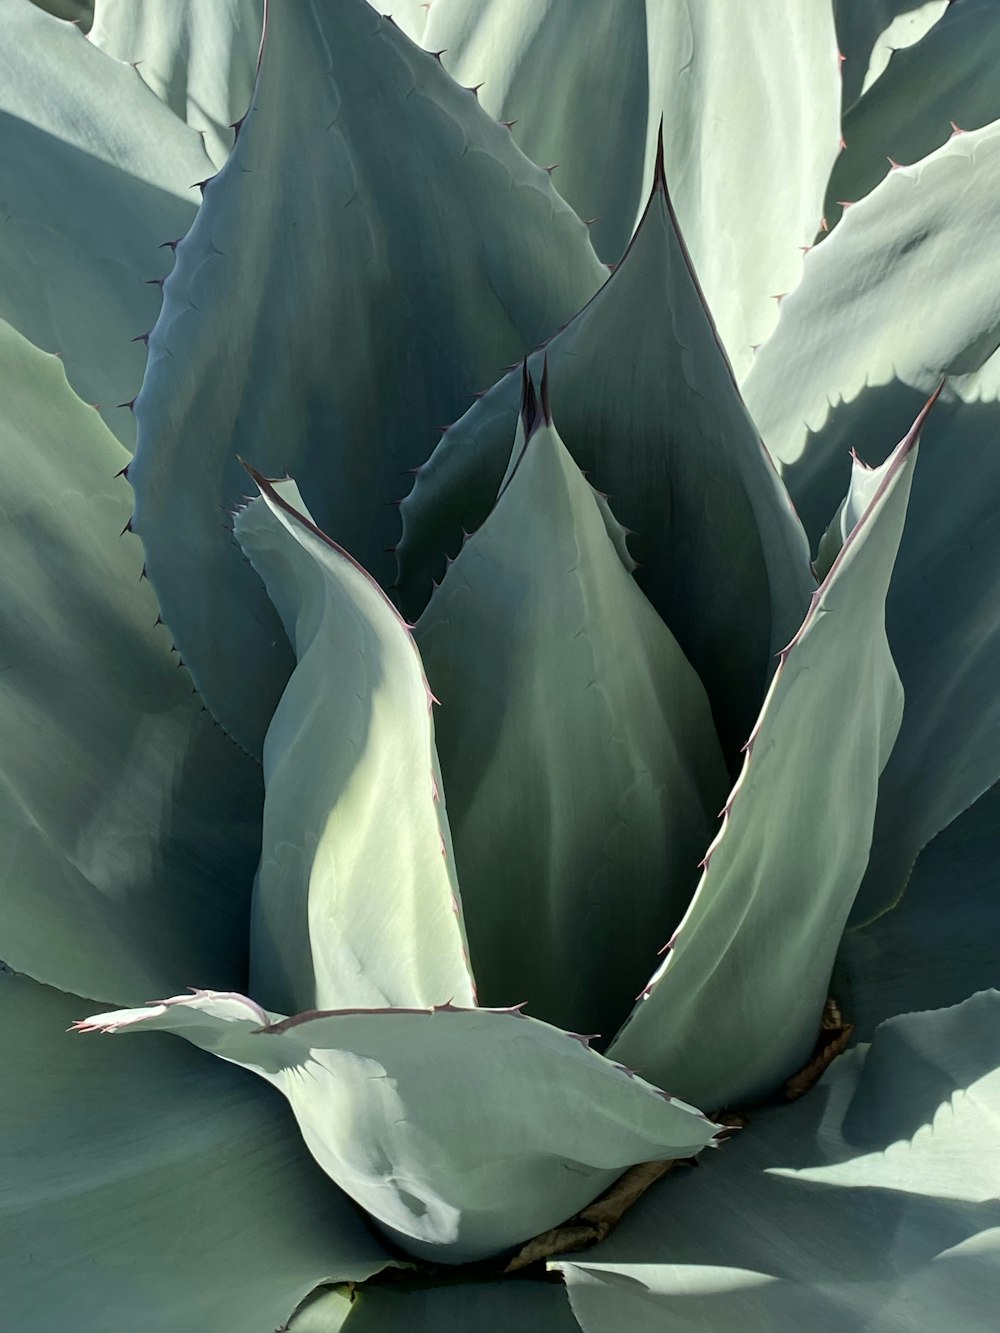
<point x="574" y="726"/>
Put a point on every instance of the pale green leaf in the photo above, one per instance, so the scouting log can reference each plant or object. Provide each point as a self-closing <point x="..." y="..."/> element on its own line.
<point x="945" y="80"/>
<point x="151" y="1187"/>
<point x="869" y="31"/>
<point x="736" y="1006"/>
<point x="356" y="901"/>
<point x="409" y="15"/>
<point x="750" y="98"/>
<point x="128" y="821"/>
<point x="647" y="406"/>
<point x="332" y="235"/>
<point x="96" y="174"/>
<point x="859" y="320"/>
<point x="198" y="56"/>
<point x="870" y="1206"/>
<point x="919" y="242"/>
<point x="582" y="779"/>
<point x="462" y="1132"/>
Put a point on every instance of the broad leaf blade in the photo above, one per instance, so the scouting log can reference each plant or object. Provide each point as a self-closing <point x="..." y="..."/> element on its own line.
<point x="647" y="406"/>
<point x="917" y="232"/>
<point x="333" y="234"/>
<point x="356" y="901"/>
<point x="735" y="1008"/>
<point x="750" y="96"/>
<point x="582" y="778"/>
<point x="519" y="1127"/>
<point x="198" y="56"/>
<point x="937" y="946"/>
<point x="871" y="31"/>
<point x="858" y="322"/>
<point x="144" y="1184"/>
<point x="872" y="1203"/>
<point x="129" y="821"/>
<point x="95" y="175"/>
<point x="943" y="81"/>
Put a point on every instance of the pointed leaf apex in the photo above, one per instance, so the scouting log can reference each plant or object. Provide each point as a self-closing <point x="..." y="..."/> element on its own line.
<point x="529" y="402"/>
<point x="659" y="170"/>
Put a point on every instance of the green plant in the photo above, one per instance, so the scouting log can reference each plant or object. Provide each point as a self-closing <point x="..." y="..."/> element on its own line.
<point x="374" y="249"/>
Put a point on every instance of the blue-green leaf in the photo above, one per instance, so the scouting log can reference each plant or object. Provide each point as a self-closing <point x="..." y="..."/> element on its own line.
<point x="356" y="902"/>
<point x="750" y="96"/>
<point x="330" y="309"/>
<point x="198" y="56"/>
<point x="937" y="945"/>
<point x="869" y="31"/>
<point x="582" y="779"/>
<point x="942" y="81"/>
<point x="129" y="823"/>
<point x="914" y="238"/>
<point x="462" y="1132"/>
<point x="648" y="408"/>
<point x="96" y="175"/>
<point x="869" y="1206"/>
<point x="151" y="1187"/>
<point x="735" y="1008"/>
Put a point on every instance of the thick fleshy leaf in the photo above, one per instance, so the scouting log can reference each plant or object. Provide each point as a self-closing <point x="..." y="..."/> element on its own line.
<point x="647" y="406"/>
<point x="856" y="322"/>
<point x="875" y="362"/>
<point x="943" y="81"/>
<point x="460" y="1307"/>
<point x="95" y="174"/>
<point x="577" y="748"/>
<point x="869" y="1206"/>
<point x="869" y="31"/>
<point x="938" y="945"/>
<point x="750" y="96"/>
<point x="410" y="15"/>
<point x="460" y="1131"/>
<point x="333" y="234"/>
<point x="356" y="902"/>
<point x="735" y="1008"/>
<point x="151" y="1187"/>
<point x="128" y="821"/>
<point x="198" y="56"/>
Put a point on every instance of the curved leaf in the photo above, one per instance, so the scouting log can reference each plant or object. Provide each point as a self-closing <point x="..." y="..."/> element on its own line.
<point x="648" y="408"/>
<point x="198" y="56"/>
<point x="918" y="232"/>
<point x="356" y="901"/>
<point x="857" y="321"/>
<point x="410" y="15"/>
<point x="937" y="946"/>
<point x="152" y="1187"/>
<point x="735" y="1008"/>
<point x="944" y="80"/>
<point x="333" y="235"/>
<point x="519" y="1127"/>
<point x="750" y="96"/>
<point x="871" y="31"/>
<point x="129" y="823"/>
<point x="86" y="205"/>
<point x="867" y="1207"/>
<point x="582" y="779"/>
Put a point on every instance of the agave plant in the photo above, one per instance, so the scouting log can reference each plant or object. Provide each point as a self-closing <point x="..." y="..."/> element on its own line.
<point x="655" y="698"/>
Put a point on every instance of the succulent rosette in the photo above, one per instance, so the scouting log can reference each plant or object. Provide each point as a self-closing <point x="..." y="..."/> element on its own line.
<point x="499" y="665"/>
